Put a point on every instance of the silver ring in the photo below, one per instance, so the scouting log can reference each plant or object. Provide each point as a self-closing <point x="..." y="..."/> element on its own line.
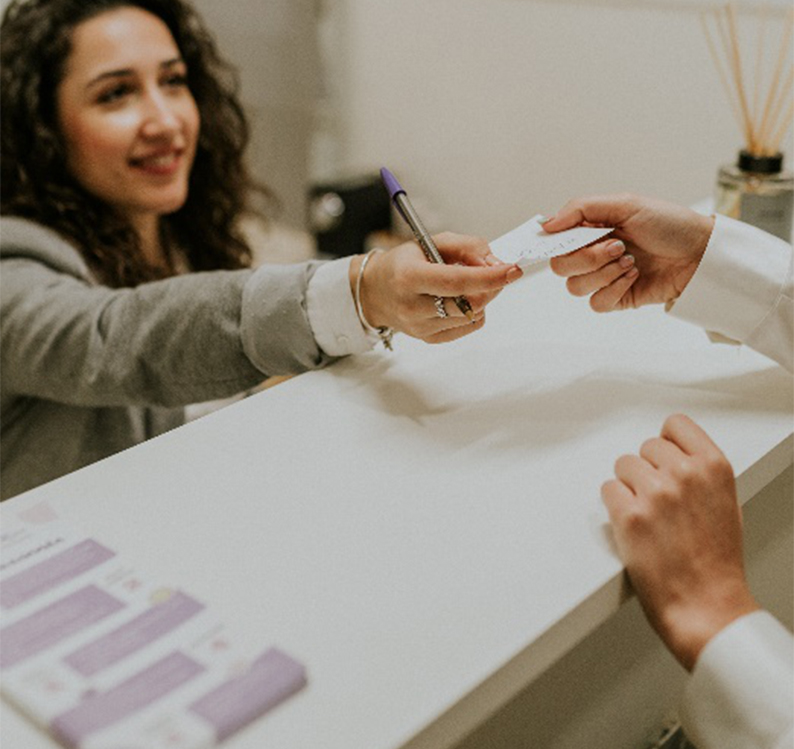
<point x="441" y="310"/>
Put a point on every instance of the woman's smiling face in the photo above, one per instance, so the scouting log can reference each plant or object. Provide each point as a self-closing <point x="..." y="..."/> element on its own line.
<point x="128" y="118"/>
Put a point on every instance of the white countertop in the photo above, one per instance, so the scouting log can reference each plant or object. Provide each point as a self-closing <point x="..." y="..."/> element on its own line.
<point x="423" y="529"/>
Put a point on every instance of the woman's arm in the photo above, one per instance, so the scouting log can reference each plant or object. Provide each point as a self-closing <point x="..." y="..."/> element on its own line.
<point x="181" y="340"/>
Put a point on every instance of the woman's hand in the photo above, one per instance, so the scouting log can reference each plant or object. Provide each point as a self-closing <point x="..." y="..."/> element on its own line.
<point x="678" y="530"/>
<point x="399" y="287"/>
<point x="651" y="256"/>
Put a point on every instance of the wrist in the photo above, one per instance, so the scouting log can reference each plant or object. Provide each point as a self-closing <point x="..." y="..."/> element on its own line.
<point x="359" y="265"/>
<point x="370" y="299"/>
<point x="696" y="242"/>
<point x="686" y="630"/>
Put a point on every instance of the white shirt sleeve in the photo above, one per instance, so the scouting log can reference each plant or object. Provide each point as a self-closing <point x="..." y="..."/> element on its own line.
<point x="332" y="311"/>
<point x="741" y="693"/>
<point x="742" y="290"/>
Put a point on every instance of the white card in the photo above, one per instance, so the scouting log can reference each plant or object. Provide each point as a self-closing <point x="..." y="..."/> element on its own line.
<point x="529" y="244"/>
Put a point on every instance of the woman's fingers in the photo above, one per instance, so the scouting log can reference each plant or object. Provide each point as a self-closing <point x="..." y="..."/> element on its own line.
<point x="588" y="259"/>
<point x="689" y="436"/>
<point x="466" y="250"/>
<point x="599" y="210"/>
<point x="613" y="296"/>
<point x="405" y="291"/>
<point x="456" y="280"/>
<point x="430" y="306"/>
<point x="460" y="328"/>
<point x="589" y="283"/>
<point x="602" y="269"/>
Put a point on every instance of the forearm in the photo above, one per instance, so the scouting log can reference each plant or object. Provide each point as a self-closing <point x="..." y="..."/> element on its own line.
<point x="185" y="339"/>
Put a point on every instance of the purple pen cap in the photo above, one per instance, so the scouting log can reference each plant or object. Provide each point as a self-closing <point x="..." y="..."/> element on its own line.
<point x="392" y="185"/>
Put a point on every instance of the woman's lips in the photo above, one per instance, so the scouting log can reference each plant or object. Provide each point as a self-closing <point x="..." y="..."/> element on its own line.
<point x="160" y="164"/>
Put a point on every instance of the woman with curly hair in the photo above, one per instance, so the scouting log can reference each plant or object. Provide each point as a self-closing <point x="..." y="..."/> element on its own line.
<point x="125" y="290"/>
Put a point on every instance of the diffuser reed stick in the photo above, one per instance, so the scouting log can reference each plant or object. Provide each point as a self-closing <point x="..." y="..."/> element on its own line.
<point x="761" y="124"/>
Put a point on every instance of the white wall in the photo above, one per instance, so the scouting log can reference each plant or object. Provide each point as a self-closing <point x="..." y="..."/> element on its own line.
<point x="273" y="43"/>
<point x="492" y="110"/>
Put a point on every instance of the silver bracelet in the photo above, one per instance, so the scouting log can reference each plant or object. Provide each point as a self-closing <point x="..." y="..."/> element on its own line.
<point x="384" y="333"/>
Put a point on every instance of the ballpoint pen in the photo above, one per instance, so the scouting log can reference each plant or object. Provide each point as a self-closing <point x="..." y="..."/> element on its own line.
<point x="425" y="241"/>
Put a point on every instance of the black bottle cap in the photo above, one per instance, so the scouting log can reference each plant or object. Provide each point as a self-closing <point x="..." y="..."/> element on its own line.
<point x="760" y="164"/>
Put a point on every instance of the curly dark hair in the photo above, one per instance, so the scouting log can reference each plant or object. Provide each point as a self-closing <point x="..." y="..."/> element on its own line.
<point x="35" y="42"/>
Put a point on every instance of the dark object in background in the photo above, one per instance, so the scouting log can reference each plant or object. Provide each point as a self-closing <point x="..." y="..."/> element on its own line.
<point x="342" y="213"/>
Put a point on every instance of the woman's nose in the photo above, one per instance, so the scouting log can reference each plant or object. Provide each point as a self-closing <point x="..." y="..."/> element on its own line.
<point x="159" y="116"/>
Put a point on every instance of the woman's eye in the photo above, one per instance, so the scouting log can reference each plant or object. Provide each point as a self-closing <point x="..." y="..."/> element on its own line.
<point x="114" y="94"/>
<point x="177" y="80"/>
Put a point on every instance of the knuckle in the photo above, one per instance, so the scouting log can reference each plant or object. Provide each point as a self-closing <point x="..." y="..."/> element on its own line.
<point x="408" y="278"/>
<point x="717" y="465"/>
<point x="637" y="519"/>
<point x="686" y="472"/>
<point x="659" y="490"/>
<point x="670" y="492"/>
<point x="448" y="286"/>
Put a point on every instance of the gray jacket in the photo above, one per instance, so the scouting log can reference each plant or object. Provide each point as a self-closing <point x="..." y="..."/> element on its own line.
<point x="87" y="370"/>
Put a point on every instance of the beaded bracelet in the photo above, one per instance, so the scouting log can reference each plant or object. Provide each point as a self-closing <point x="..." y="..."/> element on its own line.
<point x="385" y="334"/>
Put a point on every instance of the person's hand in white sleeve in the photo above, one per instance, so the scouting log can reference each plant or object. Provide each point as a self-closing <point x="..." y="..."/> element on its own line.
<point x="649" y="259"/>
<point x="678" y="530"/>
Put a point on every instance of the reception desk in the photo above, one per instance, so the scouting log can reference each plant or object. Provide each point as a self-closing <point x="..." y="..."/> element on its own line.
<point x="423" y="529"/>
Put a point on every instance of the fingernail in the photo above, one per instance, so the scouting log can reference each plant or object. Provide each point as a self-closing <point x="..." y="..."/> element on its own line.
<point x="633" y="273"/>
<point x="545" y="219"/>
<point x="493" y="260"/>
<point x="616" y="249"/>
<point x="514" y="274"/>
<point x="626" y="261"/>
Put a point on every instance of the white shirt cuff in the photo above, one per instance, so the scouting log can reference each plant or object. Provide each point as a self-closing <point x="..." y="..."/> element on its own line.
<point x="332" y="311"/>
<point x="738" y="281"/>
<point x="741" y="692"/>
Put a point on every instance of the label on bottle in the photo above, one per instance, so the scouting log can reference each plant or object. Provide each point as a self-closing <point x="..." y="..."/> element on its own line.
<point x="772" y="213"/>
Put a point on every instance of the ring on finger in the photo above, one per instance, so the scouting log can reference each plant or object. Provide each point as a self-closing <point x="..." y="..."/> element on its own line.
<point x="441" y="310"/>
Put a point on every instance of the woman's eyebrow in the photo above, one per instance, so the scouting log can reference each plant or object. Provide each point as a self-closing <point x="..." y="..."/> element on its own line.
<point x="123" y="72"/>
<point x="173" y="61"/>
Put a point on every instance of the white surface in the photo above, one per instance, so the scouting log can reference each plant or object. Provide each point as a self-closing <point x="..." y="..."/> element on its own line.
<point x="423" y="529"/>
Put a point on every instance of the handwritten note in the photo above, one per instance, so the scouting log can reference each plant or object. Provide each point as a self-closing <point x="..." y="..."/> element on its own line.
<point x="529" y="244"/>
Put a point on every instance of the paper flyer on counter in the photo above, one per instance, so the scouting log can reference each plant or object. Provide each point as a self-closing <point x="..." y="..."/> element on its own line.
<point x="100" y="657"/>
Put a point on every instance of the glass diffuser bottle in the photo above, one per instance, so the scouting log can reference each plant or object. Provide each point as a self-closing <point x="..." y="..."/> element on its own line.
<point x="757" y="191"/>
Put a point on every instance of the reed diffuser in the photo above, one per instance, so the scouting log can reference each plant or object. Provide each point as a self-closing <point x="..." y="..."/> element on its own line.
<point x="755" y="189"/>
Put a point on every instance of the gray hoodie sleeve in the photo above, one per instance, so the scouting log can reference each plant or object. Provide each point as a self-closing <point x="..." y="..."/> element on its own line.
<point x="185" y="339"/>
